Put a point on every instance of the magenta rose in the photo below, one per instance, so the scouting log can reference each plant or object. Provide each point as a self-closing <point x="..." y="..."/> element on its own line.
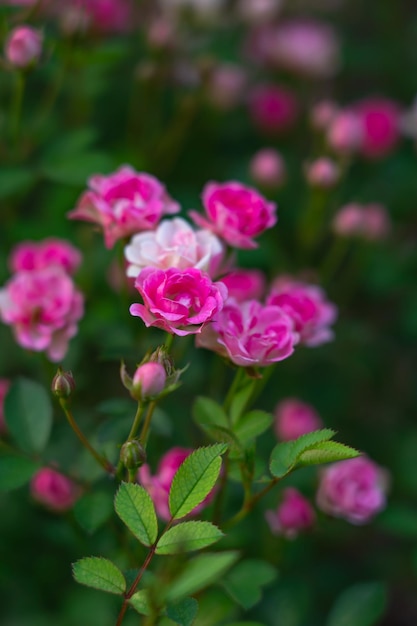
<point x="43" y="307"/>
<point x="178" y="301"/>
<point x="236" y="213"/>
<point x="250" y="334"/>
<point x="244" y="284"/>
<point x="352" y="489"/>
<point x="294" y="418"/>
<point x="307" y="306"/>
<point x="294" y="514"/>
<point x="54" y="490"/>
<point x="380" y="121"/>
<point x="35" y="255"/>
<point x="124" y="203"/>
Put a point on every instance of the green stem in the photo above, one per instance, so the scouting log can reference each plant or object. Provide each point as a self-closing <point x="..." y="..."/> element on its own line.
<point x="136" y="422"/>
<point x="233" y="388"/>
<point x="145" y="428"/>
<point x="249" y="503"/>
<point x="105" y="464"/>
<point x="16" y="107"/>
<point x="135" y="583"/>
<point x="168" y="341"/>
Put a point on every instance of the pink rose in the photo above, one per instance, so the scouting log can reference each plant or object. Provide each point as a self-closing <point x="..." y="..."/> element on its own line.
<point x="43" y="307"/>
<point x="226" y="85"/>
<point x="109" y="16"/>
<point x="124" y="203"/>
<point x="54" y="490"/>
<point x="323" y="173"/>
<point x="158" y="486"/>
<point x="294" y="418"/>
<point x="307" y="306"/>
<point x="4" y="388"/>
<point x="175" y="244"/>
<point x="244" y="284"/>
<point x="36" y="255"/>
<point x="380" y="122"/>
<point x="178" y="301"/>
<point x="352" y="489"/>
<point x="322" y="114"/>
<point x="345" y="132"/>
<point x="23" y="46"/>
<point x="370" y="221"/>
<point x="267" y="168"/>
<point x="149" y="380"/>
<point x="236" y="213"/>
<point x="294" y="514"/>
<point x="273" y="108"/>
<point x="250" y="334"/>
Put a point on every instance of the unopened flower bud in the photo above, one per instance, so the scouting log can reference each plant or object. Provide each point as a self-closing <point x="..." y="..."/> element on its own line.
<point x="23" y="46"/>
<point x="132" y="454"/>
<point x="149" y="380"/>
<point x="63" y="384"/>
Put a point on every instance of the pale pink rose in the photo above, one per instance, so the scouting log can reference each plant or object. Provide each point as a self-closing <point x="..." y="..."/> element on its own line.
<point x="250" y="334"/>
<point x="294" y="418"/>
<point x="43" y="308"/>
<point x="54" y="490"/>
<point x="267" y="168"/>
<point x="307" y="306"/>
<point x="293" y="515"/>
<point x="307" y="47"/>
<point x="345" y="132"/>
<point x="124" y="203"/>
<point x="369" y="221"/>
<point x="245" y="284"/>
<point x="259" y="11"/>
<point x="236" y="213"/>
<point x="158" y="486"/>
<point x="178" y="301"/>
<point x="36" y="255"/>
<point x="23" y="46"/>
<point x="322" y="114"/>
<point x="323" y="173"/>
<point x="226" y="85"/>
<point x="149" y="380"/>
<point x="353" y="490"/>
<point x="380" y="123"/>
<point x="175" y="243"/>
<point x="4" y="388"/>
<point x="273" y="108"/>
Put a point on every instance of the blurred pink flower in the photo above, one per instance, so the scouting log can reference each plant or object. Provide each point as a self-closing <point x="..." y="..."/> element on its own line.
<point x="226" y="85"/>
<point x="294" y="418"/>
<point x="36" y="255"/>
<point x="323" y="173"/>
<point x="4" y="388"/>
<point x="345" y="132"/>
<point x="267" y="168"/>
<point x="177" y="301"/>
<point x="54" y="490"/>
<point x="307" y="306"/>
<point x="43" y="308"/>
<point x="23" y="46"/>
<point x="370" y="221"/>
<point x="322" y="114"/>
<point x="158" y="486"/>
<point x="236" y="213"/>
<point x="272" y="108"/>
<point x="250" y="334"/>
<point x="353" y="490"/>
<point x="293" y="515"/>
<point x="244" y="284"/>
<point x="175" y="243"/>
<point x="124" y="203"/>
<point x="380" y="122"/>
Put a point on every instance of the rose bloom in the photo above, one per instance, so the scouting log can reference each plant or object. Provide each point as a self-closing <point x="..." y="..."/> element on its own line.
<point x="380" y="122"/>
<point x="322" y="173"/>
<point x="353" y="490"/>
<point x="345" y="132"/>
<point x="178" y="301"/>
<point x="43" y="308"/>
<point x="267" y="168"/>
<point x="226" y="85"/>
<point x="54" y="490"/>
<point x="124" y="203"/>
<point x="273" y="108"/>
<point x="4" y="388"/>
<point x="370" y="221"/>
<point x="322" y="114"/>
<point x="307" y="306"/>
<point x="236" y="213"/>
<point x="250" y="334"/>
<point x="293" y="515"/>
<point x="294" y="418"/>
<point x="36" y="255"/>
<point x="158" y="486"/>
<point x="23" y="46"/>
<point x="174" y="244"/>
<point x="244" y="284"/>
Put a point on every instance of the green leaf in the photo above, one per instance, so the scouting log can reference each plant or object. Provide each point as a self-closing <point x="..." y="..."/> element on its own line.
<point x="252" y="425"/>
<point x="188" y="536"/>
<point x="135" y="508"/>
<point x="140" y="602"/>
<point x="244" y="583"/>
<point x="74" y="169"/>
<point x="100" y="574"/>
<point x="286" y="455"/>
<point x="15" y="180"/>
<point x="207" y="412"/>
<point x="183" y="612"/>
<point x="28" y="413"/>
<point x="361" y="605"/>
<point x="15" y="471"/>
<point x="201" y="572"/>
<point x="326" y="452"/>
<point x="241" y="398"/>
<point x="246" y="624"/>
<point x="195" y="479"/>
<point x="400" y="520"/>
<point x="93" y="510"/>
